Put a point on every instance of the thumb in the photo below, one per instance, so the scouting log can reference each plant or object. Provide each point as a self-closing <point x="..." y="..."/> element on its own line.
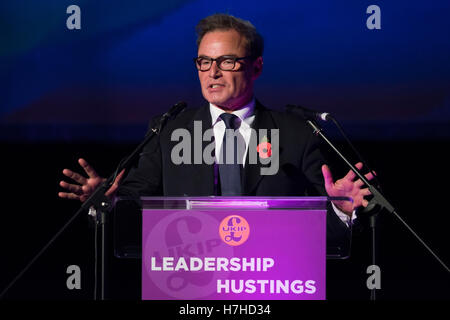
<point x="327" y="176"/>
<point x="116" y="183"/>
<point x="119" y="177"/>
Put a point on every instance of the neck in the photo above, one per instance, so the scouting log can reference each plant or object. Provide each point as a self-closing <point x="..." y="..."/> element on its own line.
<point x="230" y="109"/>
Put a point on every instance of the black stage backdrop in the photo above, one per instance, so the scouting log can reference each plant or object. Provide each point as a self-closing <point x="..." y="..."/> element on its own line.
<point x="414" y="176"/>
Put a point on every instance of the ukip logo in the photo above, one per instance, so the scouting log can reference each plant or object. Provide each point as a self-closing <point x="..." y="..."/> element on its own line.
<point x="234" y="230"/>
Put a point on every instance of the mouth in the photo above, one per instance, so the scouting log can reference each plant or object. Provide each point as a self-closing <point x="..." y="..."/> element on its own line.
<point x="215" y="86"/>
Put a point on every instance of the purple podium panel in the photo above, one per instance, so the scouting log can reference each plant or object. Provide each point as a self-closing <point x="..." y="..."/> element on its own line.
<point x="233" y="254"/>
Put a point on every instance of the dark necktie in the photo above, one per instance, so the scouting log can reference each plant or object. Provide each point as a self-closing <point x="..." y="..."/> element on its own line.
<point x="230" y="171"/>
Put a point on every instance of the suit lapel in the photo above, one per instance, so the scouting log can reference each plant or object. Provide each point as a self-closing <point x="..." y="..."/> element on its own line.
<point x="252" y="172"/>
<point x="202" y="182"/>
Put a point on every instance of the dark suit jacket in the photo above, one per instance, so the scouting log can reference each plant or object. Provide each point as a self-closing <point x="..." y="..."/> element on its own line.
<point x="299" y="173"/>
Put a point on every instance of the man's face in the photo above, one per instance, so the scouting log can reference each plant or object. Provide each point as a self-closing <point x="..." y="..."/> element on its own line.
<point x="229" y="90"/>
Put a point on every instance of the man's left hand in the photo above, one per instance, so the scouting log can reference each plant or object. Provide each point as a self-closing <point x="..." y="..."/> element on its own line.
<point x="346" y="187"/>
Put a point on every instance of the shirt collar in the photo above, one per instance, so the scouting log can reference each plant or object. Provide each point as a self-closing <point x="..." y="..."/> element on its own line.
<point x="243" y="113"/>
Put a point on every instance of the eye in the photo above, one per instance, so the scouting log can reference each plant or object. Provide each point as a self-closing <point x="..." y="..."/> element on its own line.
<point x="203" y="62"/>
<point x="228" y="62"/>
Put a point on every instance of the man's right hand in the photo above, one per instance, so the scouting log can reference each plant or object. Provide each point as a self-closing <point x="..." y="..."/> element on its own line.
<point x="86" y="186"/>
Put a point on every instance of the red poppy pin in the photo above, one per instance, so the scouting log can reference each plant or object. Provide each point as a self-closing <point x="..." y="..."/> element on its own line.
<point x="264" y="149"/>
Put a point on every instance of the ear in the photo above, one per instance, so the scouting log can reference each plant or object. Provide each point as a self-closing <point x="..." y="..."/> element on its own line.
<point x="257" y="67"/>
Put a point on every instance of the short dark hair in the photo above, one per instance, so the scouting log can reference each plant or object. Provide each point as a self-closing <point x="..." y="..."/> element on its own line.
<point x="254" y="41"/>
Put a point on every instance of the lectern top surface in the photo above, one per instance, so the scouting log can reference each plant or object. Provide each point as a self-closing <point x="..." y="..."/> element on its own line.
<point x="306" y="203"/>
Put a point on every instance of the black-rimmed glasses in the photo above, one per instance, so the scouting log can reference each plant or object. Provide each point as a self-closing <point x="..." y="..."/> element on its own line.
<point x="225" y="63"/>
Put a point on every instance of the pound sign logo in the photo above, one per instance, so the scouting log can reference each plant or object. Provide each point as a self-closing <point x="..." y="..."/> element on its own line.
<point x="234" y="230"/>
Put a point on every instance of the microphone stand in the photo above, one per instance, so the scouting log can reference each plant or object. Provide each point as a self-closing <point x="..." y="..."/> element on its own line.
<point x="378" y="201"/>
<point x="98" y="203"/>
<point x="373" y="216"/>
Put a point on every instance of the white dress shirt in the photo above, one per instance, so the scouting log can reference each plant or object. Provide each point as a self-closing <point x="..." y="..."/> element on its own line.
<point x="246" y="117"/>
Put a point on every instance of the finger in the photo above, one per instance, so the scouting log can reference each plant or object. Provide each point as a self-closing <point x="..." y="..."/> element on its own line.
<point x="116" y="184"/>
<point x="365" y="203"/>
<point x="327" y="176"/>
<point x="369" y="176"/>
<point x="119" y="178"/>
<point x="87" y="168"/>
<point x="66" y="195"/>
<point x="71" y="187"/>
<point x="351" y="175"/>
<point x="365" y="192"/>
<point x="359" y="183"/>
<point x="74" y="176"/>
<point x="88" y="189"/>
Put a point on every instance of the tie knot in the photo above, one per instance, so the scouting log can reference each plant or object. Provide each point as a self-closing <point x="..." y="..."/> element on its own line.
<point x="230" y="120"/>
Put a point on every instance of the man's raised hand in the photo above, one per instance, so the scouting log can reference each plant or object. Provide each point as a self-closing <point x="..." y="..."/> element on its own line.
<point x="84" y="187"/>
<point x="347" y="187"/>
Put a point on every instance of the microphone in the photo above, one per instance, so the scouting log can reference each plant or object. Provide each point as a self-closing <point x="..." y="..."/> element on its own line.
<point x="174" y="110"/>
<point x="156" y="127"/>
<point x="308" y="113"/>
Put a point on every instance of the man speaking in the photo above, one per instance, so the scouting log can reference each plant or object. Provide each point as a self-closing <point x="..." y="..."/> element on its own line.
<point x="229" y="60"/>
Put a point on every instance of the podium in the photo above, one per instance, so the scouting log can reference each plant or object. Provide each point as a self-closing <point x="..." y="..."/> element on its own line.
<point x="228" y="248"/>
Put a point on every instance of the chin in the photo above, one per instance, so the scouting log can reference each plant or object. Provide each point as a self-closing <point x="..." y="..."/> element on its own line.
<point x="216" y="101"/>
<point x="222" y="105"/>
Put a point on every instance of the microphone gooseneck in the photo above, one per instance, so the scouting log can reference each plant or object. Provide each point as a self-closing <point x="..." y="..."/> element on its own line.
<point x="308" y="113"/>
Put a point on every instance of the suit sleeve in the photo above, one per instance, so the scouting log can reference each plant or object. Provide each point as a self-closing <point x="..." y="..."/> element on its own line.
<point x="145" y="176"/>
<point x="338" y="233"/>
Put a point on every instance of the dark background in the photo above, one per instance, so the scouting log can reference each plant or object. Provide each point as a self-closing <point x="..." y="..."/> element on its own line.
<point x="132" y="60"/>
<point x="89" y="93"/>
<point x="413" y="175"/>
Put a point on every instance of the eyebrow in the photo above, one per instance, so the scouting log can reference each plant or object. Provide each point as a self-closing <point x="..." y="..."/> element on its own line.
<point x="225" y="55"/>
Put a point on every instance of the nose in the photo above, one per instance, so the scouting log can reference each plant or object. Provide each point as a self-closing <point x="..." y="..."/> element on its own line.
<point x="214" y="72"/>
